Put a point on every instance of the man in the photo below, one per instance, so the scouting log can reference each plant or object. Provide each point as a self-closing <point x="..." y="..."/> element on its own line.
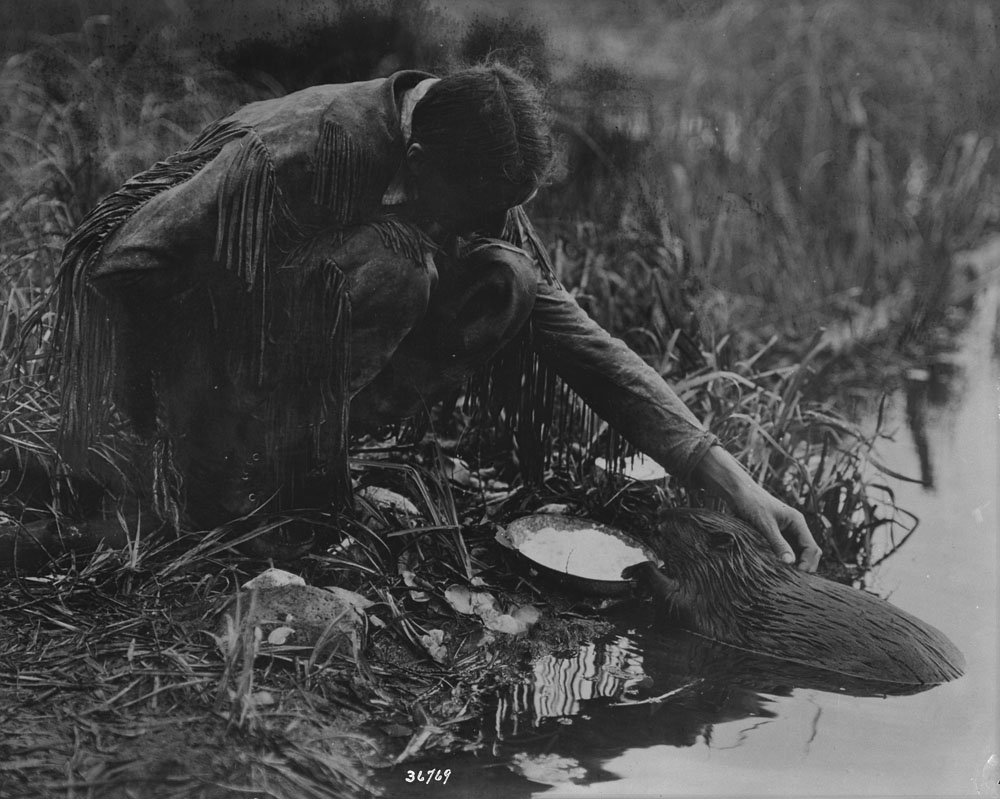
<point x="338" y="258"/>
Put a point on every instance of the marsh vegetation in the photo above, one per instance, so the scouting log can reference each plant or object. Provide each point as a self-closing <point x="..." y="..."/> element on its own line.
<point x="767" y="206"/>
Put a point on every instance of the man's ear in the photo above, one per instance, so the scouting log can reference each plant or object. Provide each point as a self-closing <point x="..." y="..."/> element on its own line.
<point x="416" y="158"/>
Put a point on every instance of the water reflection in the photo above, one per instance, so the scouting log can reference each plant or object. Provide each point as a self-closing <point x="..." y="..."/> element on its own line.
<point x="928" y="392"/>
<point x="577" y="711"/>
<point x="559" y="685"/>
<point x="916" y="419"/>
<point x="640" y="703"/>
<point x="672" y="690"/>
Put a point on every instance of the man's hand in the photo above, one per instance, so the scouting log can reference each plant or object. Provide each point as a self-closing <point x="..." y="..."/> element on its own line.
<point x="783" y="527"/>
<point x="780" y="525"/>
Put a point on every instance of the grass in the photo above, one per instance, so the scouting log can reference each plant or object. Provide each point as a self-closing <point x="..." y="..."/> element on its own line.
<point x="798" y="178"/>
<point x="817" y="160"/>
<point x="110" y="672"/>
<point x="112" y="666"/>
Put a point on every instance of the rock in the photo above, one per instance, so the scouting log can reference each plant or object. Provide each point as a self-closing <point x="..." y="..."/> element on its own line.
<point x="388" y="500"/>
<point x="293" y="615"/>
<point x="273" y="578"/>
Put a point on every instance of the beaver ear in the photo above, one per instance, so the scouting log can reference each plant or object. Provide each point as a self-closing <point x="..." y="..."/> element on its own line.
<point x="717" y="539"/>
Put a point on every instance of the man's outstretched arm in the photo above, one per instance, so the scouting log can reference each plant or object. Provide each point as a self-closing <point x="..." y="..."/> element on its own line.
<point x="630" y="395"/>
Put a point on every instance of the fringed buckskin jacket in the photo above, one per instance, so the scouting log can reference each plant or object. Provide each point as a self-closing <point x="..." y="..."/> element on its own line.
<point x="259" y="185"/>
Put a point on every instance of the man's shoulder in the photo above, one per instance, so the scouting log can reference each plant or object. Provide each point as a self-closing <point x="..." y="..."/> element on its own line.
<point x="319" y="97"/>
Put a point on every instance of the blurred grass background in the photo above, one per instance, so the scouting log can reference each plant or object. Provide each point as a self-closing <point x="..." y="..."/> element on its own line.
<point x="816" y="162"/>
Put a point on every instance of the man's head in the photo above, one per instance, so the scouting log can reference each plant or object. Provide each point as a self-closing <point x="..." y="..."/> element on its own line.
<point x="479" y="145"/>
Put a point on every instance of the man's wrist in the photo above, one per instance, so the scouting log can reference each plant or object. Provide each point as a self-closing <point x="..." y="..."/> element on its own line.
<point x="721" y="474"/>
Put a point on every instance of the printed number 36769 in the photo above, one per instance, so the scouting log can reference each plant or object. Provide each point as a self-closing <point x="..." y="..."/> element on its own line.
<point x="428" y="776"/>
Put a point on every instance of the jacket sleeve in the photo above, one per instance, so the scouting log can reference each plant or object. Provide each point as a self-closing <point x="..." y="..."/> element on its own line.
<point x="617" y="384"/>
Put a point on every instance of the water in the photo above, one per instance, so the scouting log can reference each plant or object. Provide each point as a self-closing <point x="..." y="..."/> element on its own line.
<point x="720" y="724"/>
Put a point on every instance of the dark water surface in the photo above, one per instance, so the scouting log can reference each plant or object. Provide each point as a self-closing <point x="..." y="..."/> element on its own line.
<point x="651" y="715"/>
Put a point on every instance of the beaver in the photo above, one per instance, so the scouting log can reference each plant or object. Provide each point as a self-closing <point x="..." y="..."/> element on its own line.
<point x="720" y="580"/>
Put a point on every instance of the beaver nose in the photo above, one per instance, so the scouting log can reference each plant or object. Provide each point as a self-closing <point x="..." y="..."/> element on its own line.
<point x="650" y="578"/>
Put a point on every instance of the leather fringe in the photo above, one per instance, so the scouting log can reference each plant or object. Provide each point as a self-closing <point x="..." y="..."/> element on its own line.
<point x="519" y="231"/>
<point x="167" y="483"/>
<point x="522" y="398"/>
<point x="519" y="395"/>
<point x="344" y="175"/>
<point x="83" y="334"/>
<point x="289" y="376"/>
<point x="311" y="371"/>
<point x="396" y="234"/>
<point x="252" y="212"/>
<point x="404" y="239"/>
<point x="252" y="216"/>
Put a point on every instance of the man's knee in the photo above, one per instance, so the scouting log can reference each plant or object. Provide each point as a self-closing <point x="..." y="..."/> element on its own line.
<point x="486" y="300"/>
<point x="389" y="290"/>
<point x="482" y="300"/>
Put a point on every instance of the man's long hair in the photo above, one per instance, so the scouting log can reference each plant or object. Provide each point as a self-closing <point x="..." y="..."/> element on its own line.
<point x="485" y="126"/>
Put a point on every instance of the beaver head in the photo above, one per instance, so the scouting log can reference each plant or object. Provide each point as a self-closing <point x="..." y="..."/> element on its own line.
<point x="717" y="574"/>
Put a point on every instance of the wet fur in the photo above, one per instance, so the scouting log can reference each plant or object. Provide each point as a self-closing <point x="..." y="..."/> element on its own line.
<point x="721" y="580"/>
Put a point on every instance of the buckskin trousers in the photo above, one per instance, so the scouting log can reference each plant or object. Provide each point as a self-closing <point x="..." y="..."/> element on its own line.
<point x="252" y="394"/>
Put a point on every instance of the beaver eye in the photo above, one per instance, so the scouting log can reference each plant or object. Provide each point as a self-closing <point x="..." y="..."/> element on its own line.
<point x="720" y="540"/>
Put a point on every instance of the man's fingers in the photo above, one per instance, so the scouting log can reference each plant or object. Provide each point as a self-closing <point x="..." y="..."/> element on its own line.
<point x="774" y="537"/>
<point x="809" y="559"/>
<point x="809" y="553"/>
<point x="793" y="528"/>
<point x="783" y="527"/>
